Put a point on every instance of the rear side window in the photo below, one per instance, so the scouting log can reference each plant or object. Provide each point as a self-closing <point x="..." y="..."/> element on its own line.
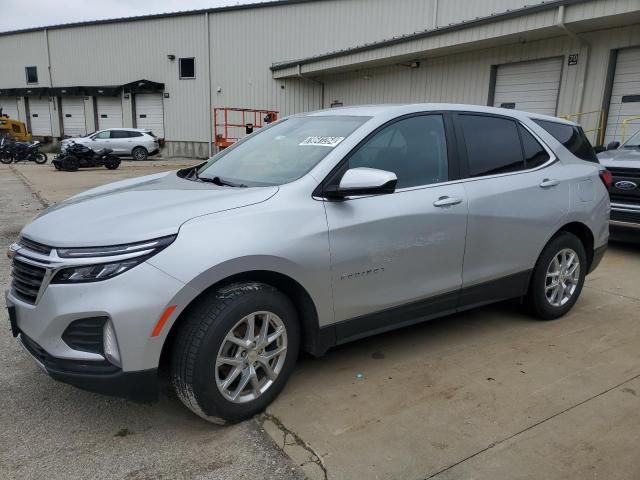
<point x="135" y="134"/>
<point x="572" y="137"/>
<point x="534" y="154"/>
<point x="493" y="145"/>
<point x="119" y="134"/>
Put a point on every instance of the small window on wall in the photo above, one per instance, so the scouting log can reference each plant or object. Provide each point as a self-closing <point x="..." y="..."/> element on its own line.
<point x="32" y="74"/>
<point x="187" y="68"/>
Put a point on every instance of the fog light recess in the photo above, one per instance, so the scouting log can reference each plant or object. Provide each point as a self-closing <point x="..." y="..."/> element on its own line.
<point x="111" y="350"/>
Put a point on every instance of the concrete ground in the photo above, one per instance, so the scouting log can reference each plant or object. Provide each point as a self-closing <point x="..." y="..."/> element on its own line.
<point x="488" y="394"/>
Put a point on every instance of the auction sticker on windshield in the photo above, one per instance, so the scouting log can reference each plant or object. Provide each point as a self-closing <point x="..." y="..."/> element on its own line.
<point x="321" y="141"/>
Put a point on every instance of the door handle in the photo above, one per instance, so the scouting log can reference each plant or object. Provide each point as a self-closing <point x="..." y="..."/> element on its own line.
<point x="447" y="201"/>
<point x="548" y="183"/>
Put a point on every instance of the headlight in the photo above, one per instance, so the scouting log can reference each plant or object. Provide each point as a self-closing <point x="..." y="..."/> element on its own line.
<point x="129" y="256"/>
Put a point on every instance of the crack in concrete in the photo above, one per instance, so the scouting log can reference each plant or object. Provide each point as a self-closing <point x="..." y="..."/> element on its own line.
<point x="297" y="440"/>
<point x="43" y="201"/>
<point x="530" y="427"/>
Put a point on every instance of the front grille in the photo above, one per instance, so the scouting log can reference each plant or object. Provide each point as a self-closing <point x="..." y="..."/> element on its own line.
<point x="86" y="335"/>
<point x="627" y="217"/>
<point x="27" y="280"/>
<point x="63" y="365"/>
<point x="34" y="246"/>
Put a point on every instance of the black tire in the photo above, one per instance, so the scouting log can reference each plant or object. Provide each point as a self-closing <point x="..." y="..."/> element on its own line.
<point x="201" y="336"/>
<point x="112" y="162"/>
<point x="70" y="163"/>
<point x="537" y="299"/>
<point x="41" y="158"/>
<point x="140" y="153"/>
<point x="6" y="160"/>
<point x="56" y="165"/>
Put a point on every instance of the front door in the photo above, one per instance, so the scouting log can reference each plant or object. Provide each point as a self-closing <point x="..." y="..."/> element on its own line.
<point x="403" y="249"/>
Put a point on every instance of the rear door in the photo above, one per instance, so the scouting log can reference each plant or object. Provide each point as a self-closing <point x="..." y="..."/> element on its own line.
<point x="120" y="142"/>
<point x="518" y="195"/>
<point x="404" y="249"/>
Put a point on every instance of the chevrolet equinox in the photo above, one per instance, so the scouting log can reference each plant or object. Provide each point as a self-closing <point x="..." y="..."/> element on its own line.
<point x="318" y="229"/>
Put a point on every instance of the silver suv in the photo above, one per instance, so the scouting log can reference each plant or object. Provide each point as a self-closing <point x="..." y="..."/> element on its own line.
<point x="316" y="230"/>
<point x="138" y="143"/>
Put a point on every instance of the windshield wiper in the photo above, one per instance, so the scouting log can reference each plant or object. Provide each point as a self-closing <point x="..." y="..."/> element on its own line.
<point x="220" y="181"/>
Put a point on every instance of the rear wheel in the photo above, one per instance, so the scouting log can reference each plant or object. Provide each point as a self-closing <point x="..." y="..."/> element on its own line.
<point x="139" y="153"/>
<point x="6" y="159"/>
<point x="41" y="158"/>
<point x="235" y="351"/>
<point x="558" y="277"/>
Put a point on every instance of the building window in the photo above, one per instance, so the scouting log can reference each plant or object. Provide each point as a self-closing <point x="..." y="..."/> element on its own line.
<point x="187" y="68"/>
<point x="32" y="74"/>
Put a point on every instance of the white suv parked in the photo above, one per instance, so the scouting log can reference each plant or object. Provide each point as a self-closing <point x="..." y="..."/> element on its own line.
<point x="138" y="143"/>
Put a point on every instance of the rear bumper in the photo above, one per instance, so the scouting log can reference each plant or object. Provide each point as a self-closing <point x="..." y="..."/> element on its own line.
<point x="598" y="253"/>
<point x="99" y="377"/>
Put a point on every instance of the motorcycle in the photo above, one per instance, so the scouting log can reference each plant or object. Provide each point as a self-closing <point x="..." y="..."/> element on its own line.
<point x="12" y="151"/>
<point x="78" y="156"/>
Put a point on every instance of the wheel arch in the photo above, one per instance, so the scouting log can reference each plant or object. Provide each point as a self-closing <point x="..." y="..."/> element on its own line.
<point x="299" y="296"/>
<point x="584" y="234"/>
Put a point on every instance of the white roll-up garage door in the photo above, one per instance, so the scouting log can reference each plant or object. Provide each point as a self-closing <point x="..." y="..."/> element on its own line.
<point x="150" y="113"/>
<point x="40" y="116"/>
<point x="9" y="106"/>
<point x="529" y="86"/>
<point x="109" y="112"/>
<point x="625" y="96"/>
<point x="73" y="121"/>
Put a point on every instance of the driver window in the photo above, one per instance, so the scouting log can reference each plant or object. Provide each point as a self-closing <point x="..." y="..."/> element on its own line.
<point x="415" y="149"/>
<point x="102" y="135"/>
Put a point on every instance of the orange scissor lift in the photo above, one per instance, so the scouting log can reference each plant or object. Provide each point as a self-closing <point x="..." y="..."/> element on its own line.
<point x="231" y="124"/>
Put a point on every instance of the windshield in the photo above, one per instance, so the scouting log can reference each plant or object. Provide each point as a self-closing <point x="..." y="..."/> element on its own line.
<point x="633" y="142"/>
<point x="282" y="152"/>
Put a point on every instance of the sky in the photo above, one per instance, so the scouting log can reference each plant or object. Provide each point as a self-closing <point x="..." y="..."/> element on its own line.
<point x="19" y="14"/>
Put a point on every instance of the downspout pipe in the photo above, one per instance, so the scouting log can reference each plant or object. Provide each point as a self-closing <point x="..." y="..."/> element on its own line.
<point x="209" y="94"/>
<point x="318" y="82"/>
<point x="584" y="44"/>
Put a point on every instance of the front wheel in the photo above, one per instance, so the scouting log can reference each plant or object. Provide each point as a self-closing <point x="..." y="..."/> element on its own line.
<point x="112" y="163"/>
<point x="6" y="160"/>
<point x="235" y="351"/>
<point x="70" y="163"/>
<point x="40" y="158"/>
<point x="558" y="277"/>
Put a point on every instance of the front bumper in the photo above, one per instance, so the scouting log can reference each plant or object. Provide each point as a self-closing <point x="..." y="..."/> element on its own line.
<point x="133" y="302"/>
<point x="99" y="377"/>
<point x="625" y="215"/>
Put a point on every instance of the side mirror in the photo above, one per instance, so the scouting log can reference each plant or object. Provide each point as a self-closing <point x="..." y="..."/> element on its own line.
<point x="364" y="181"/>
<point x="599" y="148"/>
<point x="613" y="145"/>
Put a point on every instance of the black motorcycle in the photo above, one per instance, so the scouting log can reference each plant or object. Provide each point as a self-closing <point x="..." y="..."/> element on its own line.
<point x="80" y="156"/>
<point x="12" y="151"/>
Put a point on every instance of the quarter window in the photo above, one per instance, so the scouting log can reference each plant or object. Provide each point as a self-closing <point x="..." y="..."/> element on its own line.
<point x="493" y="145"/>
<point x="134" y="134"/>
<point x="534" y="154"/>
<point x="415" y="149"/>
<point x="187" y="68"/>
<point x="572" y="137"/>
<point x="32" y="74"/>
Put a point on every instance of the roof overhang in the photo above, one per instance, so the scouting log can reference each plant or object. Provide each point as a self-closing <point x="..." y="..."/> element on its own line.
<point x="139" y="86"/>
<point x="542" y="21"/>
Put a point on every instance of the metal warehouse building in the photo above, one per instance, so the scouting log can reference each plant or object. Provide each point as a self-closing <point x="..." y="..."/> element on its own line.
<point x="578" y="58"/>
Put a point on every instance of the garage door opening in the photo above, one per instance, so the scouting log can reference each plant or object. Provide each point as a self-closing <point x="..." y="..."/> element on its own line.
<point x="624" y="107"/>
<point x="9" y="107"/>
<point x="73" y="117"/>
<point x="109" y="112"/>
<point x="150" y="112"/>
<point x="530" y="86"/>
<point x="39" y="116"/>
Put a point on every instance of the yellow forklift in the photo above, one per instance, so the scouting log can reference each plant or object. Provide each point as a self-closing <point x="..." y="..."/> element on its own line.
<point x="12" y="129"/>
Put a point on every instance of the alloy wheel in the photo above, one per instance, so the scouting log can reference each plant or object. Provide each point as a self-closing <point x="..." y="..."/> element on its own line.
<point x="563" y="275"/>
<point x="251" y="357"/>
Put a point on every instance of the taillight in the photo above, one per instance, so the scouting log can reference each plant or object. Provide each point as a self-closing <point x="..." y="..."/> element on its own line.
<point x="606" y="177"/>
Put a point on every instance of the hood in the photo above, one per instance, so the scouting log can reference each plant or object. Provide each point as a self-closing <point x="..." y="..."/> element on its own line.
<point x="621" y="158"/>
<point x="136" y="210"/>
